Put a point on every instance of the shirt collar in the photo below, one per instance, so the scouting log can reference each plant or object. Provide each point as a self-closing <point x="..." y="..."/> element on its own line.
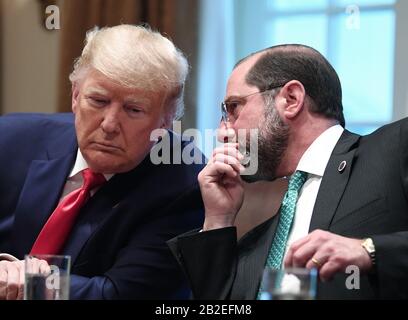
<point x="80" y="164"/>
<point x="316" y="157"/>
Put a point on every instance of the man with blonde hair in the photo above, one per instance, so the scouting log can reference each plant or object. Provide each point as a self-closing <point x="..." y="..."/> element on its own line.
<point x="83" y="184"/>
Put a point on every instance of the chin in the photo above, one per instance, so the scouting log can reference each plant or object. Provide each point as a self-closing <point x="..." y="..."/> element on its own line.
<point x="110" y="169"/>
<point x="108" y="165"/>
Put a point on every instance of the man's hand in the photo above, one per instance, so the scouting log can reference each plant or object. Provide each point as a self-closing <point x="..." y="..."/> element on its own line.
<point x="328" y="252"/>
<point x="221" y="186"/>
<point x="12" y="277"/>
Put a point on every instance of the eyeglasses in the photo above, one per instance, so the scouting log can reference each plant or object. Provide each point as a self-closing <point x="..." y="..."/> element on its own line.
<point x="231" y="109"/>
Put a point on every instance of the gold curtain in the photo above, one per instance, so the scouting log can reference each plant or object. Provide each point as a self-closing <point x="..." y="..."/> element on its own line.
<point x="78" y="16"/>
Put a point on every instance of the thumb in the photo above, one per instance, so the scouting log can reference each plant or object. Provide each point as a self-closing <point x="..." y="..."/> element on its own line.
<point x="20" y="294"/>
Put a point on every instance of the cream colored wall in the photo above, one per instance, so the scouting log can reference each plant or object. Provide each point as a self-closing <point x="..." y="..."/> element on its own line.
<point x="30" y="59"/>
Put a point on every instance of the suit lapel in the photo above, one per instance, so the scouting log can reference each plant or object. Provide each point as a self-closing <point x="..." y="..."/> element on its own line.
<point x="42" y="188"/>
<point x="95" y="211"/>
<point x="39" y="197"/>
<point x="92" y="214"/>
<point x="101" y="206"/>
<point x="334" y="181"/>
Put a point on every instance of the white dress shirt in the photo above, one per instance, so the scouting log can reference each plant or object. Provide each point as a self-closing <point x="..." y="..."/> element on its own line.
<point x="75" y="179"/>
<point x="314" y="162"/>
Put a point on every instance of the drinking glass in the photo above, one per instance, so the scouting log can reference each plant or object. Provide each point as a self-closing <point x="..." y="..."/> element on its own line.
<point x="47" y="277"/>
<point x="288" y="284"/>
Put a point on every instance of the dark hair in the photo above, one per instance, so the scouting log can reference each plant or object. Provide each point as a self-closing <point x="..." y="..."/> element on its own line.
<point x="280" y="64"/>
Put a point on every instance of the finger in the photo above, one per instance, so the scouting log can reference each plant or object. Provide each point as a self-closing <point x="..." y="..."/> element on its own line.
<point x="321" y="256"/>
<point x="214" y="173"/>
<point x="301" y="242"/>
<point x="44" y="267"/>
<point x="20" y="294"/>
<point x="3" y="283"/>
<point x="229" y="159"/>
<point x="33" y="265"/>
<point x="236" y="165"/>
<point x="316" y="262"/>
<point x="229" y="149"/>
<point x="217" y="170"/>
<point x="13" y="280"/>
<point x="317" y="236"/>
<point x="328" y="270"/>
<point x="288" y="262"/>
<point x="303" y="254"/>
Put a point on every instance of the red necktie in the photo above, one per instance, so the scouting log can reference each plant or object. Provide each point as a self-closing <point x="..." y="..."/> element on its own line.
<point x="54" y="233"/>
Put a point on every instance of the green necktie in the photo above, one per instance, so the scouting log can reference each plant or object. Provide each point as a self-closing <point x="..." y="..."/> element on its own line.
<point x="287" y="212"/>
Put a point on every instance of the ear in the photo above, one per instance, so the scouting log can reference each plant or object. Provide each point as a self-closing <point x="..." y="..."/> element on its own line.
<point x="75" y="96"/>
<point x="165" y="122"/>
<point x="293" y="94"/>
<point x="166" y="118"/>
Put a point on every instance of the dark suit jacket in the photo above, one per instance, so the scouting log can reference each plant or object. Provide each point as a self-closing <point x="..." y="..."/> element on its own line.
<point x="367" y="199"/>
<point x="118" y="244"/>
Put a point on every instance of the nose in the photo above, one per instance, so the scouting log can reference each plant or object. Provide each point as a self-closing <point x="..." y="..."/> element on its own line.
<point x="110" y="123"/>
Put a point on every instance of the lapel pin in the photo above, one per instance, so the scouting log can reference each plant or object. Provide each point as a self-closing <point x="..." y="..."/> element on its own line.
<point x="342" y="166"/>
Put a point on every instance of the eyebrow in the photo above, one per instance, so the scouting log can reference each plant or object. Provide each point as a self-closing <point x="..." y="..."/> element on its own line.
<point x="128" y="99"/>
<point x="97" y="90"/>
<point x="144" y="101"/>
<point x="233" y="98"/>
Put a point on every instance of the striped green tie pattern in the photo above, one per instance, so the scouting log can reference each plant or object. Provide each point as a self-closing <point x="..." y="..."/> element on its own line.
<point x="287" y="212"/>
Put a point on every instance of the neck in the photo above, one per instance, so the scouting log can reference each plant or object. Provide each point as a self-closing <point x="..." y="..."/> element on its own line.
<point x="302" y="135"/>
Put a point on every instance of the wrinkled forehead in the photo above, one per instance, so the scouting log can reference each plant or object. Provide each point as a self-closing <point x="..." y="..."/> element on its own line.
<point x="97" y="83"/>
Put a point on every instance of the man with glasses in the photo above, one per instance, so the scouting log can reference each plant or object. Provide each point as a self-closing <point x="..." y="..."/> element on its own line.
<point x="346" y="204"/>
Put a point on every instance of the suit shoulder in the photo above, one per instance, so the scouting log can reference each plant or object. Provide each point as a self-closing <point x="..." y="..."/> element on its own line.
<point x="388" y="133"/>
<point x="388" y="139"/>
<point x="177" y="149"/>
<point x="35" y="120"/>
<point x="37" y="117"/>
<point x="392" y="127"/>
<point x="174" y="162"/>
<point x="29" y="127"/>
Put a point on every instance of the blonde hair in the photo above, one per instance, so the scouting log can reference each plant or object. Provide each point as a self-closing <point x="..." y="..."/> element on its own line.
<point x="136" y="57"/>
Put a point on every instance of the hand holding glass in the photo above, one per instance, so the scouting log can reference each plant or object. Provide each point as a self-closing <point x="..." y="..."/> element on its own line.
<point x="47" y="277"/>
